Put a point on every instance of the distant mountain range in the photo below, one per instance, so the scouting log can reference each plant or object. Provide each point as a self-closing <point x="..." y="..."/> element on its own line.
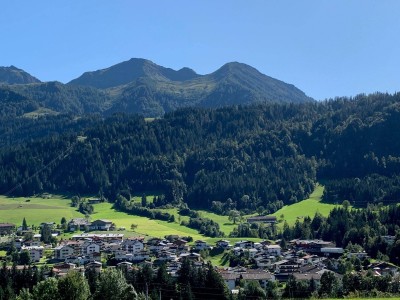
<point x="141" y="86"/>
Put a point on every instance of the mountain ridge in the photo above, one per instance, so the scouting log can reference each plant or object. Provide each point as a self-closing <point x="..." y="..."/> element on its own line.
<point x="14" y="75"/>
<point x="140" y="86"/>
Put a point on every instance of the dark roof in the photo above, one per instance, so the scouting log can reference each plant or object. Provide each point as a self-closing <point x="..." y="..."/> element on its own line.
<point x="261" y="218"/>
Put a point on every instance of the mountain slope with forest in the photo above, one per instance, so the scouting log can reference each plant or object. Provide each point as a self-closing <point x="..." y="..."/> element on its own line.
<point x="237" y="157"/>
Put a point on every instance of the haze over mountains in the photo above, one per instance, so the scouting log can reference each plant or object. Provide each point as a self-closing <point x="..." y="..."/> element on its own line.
<point x="141" y="86"/>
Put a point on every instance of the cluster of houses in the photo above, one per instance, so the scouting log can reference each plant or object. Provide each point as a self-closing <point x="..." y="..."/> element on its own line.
<point x="306" y="259"/>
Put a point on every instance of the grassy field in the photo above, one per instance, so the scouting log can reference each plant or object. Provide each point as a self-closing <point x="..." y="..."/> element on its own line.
<point x="307" y="207"/>
<point x="36" y="210"/>
<point x="145" y="226"/>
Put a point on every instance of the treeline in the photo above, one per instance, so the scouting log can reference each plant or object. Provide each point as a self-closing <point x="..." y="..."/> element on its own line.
<point x="192" y="282"/>
<point x="251" y="156"/>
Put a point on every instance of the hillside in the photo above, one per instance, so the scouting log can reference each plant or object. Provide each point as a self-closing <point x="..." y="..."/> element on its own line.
<point x="13" y="75"/>
<point x="236" y="157"/>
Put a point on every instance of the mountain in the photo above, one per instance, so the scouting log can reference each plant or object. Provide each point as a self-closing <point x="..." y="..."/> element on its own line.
<point x="131" y="70"/>
<point x="143" y="87"/>
<point x="13" y="75"/>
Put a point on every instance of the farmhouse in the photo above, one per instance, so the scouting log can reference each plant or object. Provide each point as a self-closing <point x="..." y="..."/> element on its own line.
<point x="100" y="225"/>
<point x="262" y="219"/>
<point x="78" y="224"/>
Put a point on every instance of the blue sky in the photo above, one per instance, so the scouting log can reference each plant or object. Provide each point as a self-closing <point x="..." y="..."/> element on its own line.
<point x="326" y="48"/>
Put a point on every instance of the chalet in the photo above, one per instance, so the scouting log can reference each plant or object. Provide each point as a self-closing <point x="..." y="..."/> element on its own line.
<point x="200" y="245"/>
<point x="6" y="228"/>
<point x="383" y="268"/>
<point x="124" y="265"/>
<point x="262" y="219"/>
<point x="107" y="237"/>
<point x="78" y="224"/>
<point x="224" y="244"/>
<point x="101" y="225"/>
<point x="94" y="265"/>
<point x="244" y="244"/>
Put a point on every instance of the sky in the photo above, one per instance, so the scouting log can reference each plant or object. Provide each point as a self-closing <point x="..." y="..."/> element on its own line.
<point x="326" y="48"/>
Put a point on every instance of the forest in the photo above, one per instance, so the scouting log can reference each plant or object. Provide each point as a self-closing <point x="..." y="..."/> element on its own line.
<point x="247" y="156"/>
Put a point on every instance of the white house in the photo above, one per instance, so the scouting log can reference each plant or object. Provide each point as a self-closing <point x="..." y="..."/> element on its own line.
<point x="90" y="247"/>
<point x="63" y="251"/>
<point x="273" y="250"/>
<point x="132" y="245"/>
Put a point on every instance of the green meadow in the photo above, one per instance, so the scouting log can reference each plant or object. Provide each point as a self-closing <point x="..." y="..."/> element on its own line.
<point x="307" y="207"/>
<point x="36" y="210"/>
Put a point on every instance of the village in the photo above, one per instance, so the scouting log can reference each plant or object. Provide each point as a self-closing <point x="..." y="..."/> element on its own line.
<point x="93" y="246"/>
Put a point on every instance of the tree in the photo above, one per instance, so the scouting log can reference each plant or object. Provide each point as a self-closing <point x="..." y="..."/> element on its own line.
<point x="24" y="294"/>
<point x="144" y="200"/>
<point x="24" y="225"/>
<point x="346" y="204"/>
<point x="234" y="215"/>
<point x="45" y="233"/>
<point x="24" y="258"/>
<point x="73" y="286"/>
<point x="134" y="226"/>
<point x="253" y="290"/>
<point x="113" y="286"/>
<point x="46" y="290"/>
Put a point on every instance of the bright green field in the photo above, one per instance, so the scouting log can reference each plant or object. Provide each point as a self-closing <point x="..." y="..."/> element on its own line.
<point x="146" y="226"/>
<point x="307" y="207"/>
<point x="225" y="225"/>
<point x="37" y="210"/>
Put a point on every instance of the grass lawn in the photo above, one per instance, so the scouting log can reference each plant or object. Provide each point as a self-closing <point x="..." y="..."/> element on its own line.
<point x="307" y="207"/>
<point x="36" y="210"/>
<point x="225" y="225"/>
<point x="146" y="226"/>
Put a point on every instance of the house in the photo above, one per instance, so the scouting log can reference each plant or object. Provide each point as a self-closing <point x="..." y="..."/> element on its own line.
<point x="101" y="225"/>
<point x="224" y="244"/>
<point x="63" y="251"/>
<point x="6" y="228"/>
<point x="359" y="255"/>
<point x="262" y="219"/>
<point x="230" y="279"/>
<point x="94" y="265"/>
<point x="273" y="250"/>
<point x="389" y="239"/>
<point x="35" y="252"/>
<point x="78" y="224"/>
<point x="132" y="245"/>
<point x="257" y="275"/>
<point x="244" y="244"/>
<point x="89" y="247"/>
<point x="200" y="245"/>
<point x="94" y="201"/>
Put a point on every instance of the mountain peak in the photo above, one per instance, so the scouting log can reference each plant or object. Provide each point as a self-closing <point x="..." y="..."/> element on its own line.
<point x="14" y="75"/>
<point x="129" y="71"/>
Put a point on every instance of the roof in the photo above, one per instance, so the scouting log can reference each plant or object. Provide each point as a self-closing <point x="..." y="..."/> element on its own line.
<point x="261" y="218"/>
<point x="7" y="225"/>
<point x="307" y="276"/>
